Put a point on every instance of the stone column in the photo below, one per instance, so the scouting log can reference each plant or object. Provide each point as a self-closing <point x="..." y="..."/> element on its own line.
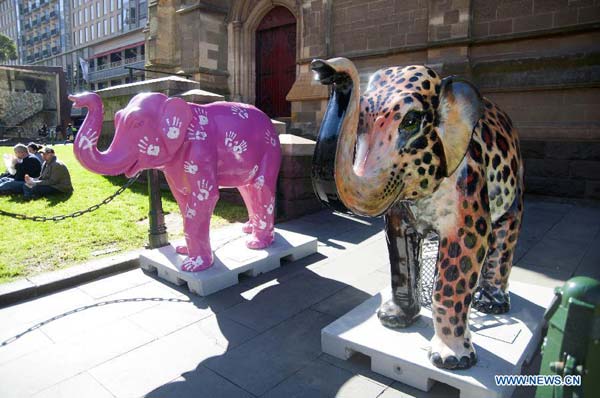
<point x="237" y="42"/>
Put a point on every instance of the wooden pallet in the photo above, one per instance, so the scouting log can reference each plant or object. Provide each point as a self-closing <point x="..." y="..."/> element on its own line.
<point x="503" y="343"/>
<point x="231" y="259"/>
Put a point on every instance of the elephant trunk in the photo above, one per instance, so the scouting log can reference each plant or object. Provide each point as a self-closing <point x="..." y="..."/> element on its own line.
<point x="116" y="159"/>
<point x="339" y="177"/>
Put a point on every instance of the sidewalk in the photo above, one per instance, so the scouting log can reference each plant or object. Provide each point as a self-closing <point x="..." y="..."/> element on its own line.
<point x="132" y="335"/>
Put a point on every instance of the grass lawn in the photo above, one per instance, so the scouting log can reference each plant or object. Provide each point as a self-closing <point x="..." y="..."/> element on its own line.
<point x="28" y="247"/>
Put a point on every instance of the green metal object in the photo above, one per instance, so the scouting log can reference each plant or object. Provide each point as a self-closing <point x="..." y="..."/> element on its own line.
<point x="572" y="345"/>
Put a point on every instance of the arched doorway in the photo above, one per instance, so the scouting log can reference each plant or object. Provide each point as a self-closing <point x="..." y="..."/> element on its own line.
<point x="275" y="61"/>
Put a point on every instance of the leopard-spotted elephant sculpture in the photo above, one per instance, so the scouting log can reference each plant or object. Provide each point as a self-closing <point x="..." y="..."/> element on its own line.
<point x="431" y="155"/>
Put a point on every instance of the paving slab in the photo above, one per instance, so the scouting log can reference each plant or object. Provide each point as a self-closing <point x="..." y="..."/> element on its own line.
<point x="321" y="379"/>
<point x="503" y="343"/>
<point x="82" y="384"/>
<point x="44" y="368"/>
<point x="291" y="297"/>
<point x="148" y="367"/>
<point x="555" y="254"/>
<point x="201" y="382"/>
<point x="271" y="357"/>
<point x="231" y="259"/>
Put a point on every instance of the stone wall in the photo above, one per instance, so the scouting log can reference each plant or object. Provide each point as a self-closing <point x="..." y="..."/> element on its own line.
<point x="16" y="107"/>
<point x="562" y="168"/>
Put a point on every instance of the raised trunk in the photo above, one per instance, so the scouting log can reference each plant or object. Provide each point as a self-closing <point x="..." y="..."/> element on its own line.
<point x="338" y="158"/>
<point x="116" y="159"/>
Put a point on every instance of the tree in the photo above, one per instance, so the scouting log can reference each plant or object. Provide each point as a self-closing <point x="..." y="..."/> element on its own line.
<point x="8" y="50"/>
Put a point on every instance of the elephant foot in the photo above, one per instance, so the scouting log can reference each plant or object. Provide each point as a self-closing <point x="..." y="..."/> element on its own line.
<point x="456" y="354"/>
<point x="181" y="250"/>
<point x="247" y="227"/>
<point x="197" y="263"/>
<point x="491" y="300"/>
<point x="393" y="316"/>
<point x="259" y="241"/>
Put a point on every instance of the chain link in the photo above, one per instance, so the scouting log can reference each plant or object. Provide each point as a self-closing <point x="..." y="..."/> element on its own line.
<point x="74" y="214"/>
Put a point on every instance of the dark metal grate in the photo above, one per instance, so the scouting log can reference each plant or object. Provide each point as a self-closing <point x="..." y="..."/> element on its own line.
<point x="428" y="258"/>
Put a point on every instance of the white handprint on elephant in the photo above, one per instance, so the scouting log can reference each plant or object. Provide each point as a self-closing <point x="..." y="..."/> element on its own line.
<point x="240" y="147"/>
<point x="204" y="189"/>
<point x="147" y="148"/>
<point x="88" y="140"/>
<point x="173" y="127"/>
<point x="190" y="167"/>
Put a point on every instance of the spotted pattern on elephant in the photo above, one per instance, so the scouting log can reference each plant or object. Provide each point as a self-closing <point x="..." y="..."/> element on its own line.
<point x="431" y="155"/>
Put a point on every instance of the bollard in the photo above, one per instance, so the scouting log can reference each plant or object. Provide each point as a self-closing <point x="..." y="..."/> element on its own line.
<point x="157" y="233"/>
<point x="572" y="345"/>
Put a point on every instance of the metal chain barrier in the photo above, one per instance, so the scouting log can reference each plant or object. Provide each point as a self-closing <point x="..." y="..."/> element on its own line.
<point x="74" y="214"/>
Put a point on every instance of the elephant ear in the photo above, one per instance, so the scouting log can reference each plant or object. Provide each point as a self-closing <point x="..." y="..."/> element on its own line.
<point x="175" y="119"/>
<point x="460" y="109"/>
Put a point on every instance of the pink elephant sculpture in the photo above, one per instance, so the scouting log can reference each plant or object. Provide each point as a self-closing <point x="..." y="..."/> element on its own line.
<point x="199" y="148"/>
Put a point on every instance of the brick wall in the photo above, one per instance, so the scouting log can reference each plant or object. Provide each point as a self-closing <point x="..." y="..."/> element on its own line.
<point x="502" y="17"/>
<point x="360" y="26"/>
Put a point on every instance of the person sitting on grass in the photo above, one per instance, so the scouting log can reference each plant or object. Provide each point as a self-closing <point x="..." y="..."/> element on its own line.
<point x="34" y="149"/>
<point x="54" y="179"/>
<point x="23" y="163"/>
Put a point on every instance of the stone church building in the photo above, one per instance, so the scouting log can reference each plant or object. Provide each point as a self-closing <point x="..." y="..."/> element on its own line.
<point x="538" y="59"/>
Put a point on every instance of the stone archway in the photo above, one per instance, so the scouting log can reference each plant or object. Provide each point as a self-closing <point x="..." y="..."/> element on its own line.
<point x="244" y="20"/>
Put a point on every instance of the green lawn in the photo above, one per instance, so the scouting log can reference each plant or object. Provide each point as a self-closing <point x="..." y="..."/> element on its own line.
<point x="28" y="247"/>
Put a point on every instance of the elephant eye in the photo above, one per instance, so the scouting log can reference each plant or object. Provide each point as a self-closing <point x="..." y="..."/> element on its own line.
<point x="411" y="121"/>
<point x="137" y="124"/>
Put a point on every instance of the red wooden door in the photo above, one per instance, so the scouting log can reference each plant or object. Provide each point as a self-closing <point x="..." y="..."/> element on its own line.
<point x="275" y="61"/>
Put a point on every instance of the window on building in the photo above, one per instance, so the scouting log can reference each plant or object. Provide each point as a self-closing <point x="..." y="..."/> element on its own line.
<point x="92" y="31"/>
<point x="105" y="2"/>
<point x="105" y="27"/>
<point x="119" y="22"/>
<point x="112" y="5"/>
<point x="112" y="24"/>
<point x="101" y="85"/>
<point x="80" y="36"/>
<point x="86" y="34"/>
<point x="87" y="15"/>
<point x="91" y="12"/>
<point x="115" y="82"/>
<point x="98" y="10"/>
<point x="99" y="29"/>
<point x="119" y="4"/>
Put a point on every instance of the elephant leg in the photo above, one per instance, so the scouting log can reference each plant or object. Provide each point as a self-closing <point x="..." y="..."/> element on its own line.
<point x="463" y="248"/>
<point x="404" y="244"/>
<point x="247" y="196"/>
<point x="491" y="296"/>
<point x="261" y="201"/>
<point x="196" y="225"/>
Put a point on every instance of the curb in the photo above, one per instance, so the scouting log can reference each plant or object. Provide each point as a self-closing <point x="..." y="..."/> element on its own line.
<point x="51" y="282"/>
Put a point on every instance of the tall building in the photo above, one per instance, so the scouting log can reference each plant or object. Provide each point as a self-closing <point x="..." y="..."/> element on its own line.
<point x="43" y="30"/>
<point x="93" y="40"/>
<point x="8" y="23"/>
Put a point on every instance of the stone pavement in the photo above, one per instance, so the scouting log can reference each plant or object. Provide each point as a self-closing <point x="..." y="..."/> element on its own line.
<point x="131" y="335"/>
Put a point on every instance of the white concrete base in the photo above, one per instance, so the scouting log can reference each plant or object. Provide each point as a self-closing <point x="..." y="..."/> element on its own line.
<point x="231" y="258"/>
<point x="503" y="343"/>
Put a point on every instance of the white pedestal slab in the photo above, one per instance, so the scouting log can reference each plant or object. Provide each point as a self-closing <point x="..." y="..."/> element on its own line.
<point x="231" y="258"/>
<point x="503" y="343"/>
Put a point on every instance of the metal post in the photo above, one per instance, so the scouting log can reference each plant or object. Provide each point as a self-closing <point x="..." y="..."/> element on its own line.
<point x="157" y="234"/>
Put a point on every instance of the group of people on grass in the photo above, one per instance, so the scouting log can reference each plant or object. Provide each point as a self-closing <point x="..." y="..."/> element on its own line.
<point x="34" y="171"/>
<point x="57" y="132"/>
